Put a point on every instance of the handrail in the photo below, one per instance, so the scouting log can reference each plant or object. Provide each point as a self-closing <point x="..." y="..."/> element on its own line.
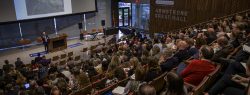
<point x="245" y="11"/>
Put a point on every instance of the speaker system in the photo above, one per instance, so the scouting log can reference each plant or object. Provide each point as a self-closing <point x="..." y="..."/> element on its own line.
<point x="103" y="22"/>
<point x="80" y="25"/>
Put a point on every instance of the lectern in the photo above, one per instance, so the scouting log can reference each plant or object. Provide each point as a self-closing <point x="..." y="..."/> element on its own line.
<point x="57" y="43"/>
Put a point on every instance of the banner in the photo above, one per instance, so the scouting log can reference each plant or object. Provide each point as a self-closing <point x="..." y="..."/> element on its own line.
<point x="165" y="2"/>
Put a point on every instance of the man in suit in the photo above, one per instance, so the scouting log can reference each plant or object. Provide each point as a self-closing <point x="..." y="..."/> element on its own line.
<point x="45" y="39"/>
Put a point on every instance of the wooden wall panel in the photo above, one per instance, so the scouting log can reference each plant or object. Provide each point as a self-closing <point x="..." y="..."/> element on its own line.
<point x="197" y="11"/>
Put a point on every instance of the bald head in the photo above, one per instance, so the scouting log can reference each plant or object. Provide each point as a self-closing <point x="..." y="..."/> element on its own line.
<point x="181" y="45"/>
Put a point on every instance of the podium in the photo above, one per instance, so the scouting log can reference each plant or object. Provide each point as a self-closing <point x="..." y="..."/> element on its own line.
<point x="57" y="43"/>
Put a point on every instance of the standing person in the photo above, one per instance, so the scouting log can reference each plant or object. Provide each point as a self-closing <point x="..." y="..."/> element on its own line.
<point x="19" y="63"/>
<point x="45" y="39"/>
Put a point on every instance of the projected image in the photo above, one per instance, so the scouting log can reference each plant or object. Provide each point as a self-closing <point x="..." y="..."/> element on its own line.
<point x="37" y="7"/>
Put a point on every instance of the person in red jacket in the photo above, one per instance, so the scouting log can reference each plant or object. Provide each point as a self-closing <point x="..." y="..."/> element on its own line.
<point x="196" y="70"/>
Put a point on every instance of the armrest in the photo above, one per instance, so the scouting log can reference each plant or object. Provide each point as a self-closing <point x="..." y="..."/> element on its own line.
<point x="189" y="86"/>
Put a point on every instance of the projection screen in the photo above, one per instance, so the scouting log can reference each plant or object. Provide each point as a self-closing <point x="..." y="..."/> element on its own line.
<point x="14" y="10"/>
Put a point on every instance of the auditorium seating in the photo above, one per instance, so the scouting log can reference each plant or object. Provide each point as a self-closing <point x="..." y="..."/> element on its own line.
<point x="205" y="84"/>
<point x="159" y="82"/>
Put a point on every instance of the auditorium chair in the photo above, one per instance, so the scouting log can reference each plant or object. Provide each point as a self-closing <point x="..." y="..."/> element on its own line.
<point x="83" y="91"/>
<point x="159" y="82"/>
<point x="63" y="62"/>
<point x="113" y="86"/>
<point x="84" y="49"/>
<point x="55" y="58"/>
<point x="214" y="76"/>
<point x="200" y="89"/>
<point x="96" y="77"/>
<point x="234" y="52"/>
<point x="123" y="82"/>
<point x="70" y="54"/>
<point x="63" y="56"/>
<point x="99" y="84"/>
<point x="77" y="59"/>
<point x="205" y="84"/>
<point x="106" y="89"/>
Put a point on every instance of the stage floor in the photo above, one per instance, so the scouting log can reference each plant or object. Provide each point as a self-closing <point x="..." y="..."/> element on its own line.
<point x="24" y="53"/>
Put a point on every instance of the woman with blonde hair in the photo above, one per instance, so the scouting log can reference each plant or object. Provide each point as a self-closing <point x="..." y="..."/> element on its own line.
<point x="114" y="69"/>
<point x="55" y="91"/>
<point x="153" y="69"/>
<point x="135" y="66"/>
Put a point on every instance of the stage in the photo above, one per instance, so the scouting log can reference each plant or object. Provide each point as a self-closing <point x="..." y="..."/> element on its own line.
<point x="28" y="53"/>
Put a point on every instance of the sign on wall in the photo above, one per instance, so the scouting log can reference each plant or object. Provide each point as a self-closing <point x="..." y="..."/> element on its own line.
<point x="165" y="2"/>
<point x="171" y="15"/>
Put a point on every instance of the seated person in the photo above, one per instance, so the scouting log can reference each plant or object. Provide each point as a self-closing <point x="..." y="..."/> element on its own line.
<point x="136" y="79"/>
<point x="19" y="63"/>
<point x="167" y="61"/>
<point x="183" y="51"/>
<point x="196" y="70"/>
<point x="114" y="71"/>
<point x="174" y="83"/>
<point x="153" y="69"/>
<point x="222" y="50"/>
<point x="236" y="77"/>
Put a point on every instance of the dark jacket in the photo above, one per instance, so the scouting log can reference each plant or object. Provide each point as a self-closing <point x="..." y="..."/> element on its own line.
<point x="151" y="74"/>
<point x="169" y="64"/>
<point x="223" y="53"/>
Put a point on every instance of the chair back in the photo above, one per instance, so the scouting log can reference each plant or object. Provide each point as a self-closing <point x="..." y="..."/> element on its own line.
<point x="96" y="77"/>
<point x="158" y="83"/>
<point x="77" y="58"/>
<point x="63" y="56"/>
<point x="70" y="54"/>
<point x="84" y="91"/>
<point x="63" y="62"/>
<point x="84" y="49"/>
<point x="201" y="87"/>
<point x="55" y="58"/>
<point x="99" y="84"/>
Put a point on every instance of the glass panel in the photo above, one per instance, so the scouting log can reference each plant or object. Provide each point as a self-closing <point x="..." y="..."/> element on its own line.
<point x="143" y="16"/>
<point x="9" y="35"/>
<point x="33" y="29"/>
<point x="125" y="8"/>
<point x="145" y="9"/>
<point x="120" y="17"/>
<point x="126" y="16"/>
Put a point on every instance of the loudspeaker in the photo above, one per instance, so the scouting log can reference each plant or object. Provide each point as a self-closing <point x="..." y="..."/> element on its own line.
<point x="80" y="25"/>
<point x="103" y="22"/>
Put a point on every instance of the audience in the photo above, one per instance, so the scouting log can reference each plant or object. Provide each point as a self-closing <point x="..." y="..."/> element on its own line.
<point x="194" y="53"/>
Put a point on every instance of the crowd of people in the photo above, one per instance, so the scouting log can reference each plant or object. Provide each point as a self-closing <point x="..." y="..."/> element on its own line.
<point x="187" y="55"/>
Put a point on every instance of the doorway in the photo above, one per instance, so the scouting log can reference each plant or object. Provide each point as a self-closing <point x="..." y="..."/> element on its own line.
<point x="124" y="16"/>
